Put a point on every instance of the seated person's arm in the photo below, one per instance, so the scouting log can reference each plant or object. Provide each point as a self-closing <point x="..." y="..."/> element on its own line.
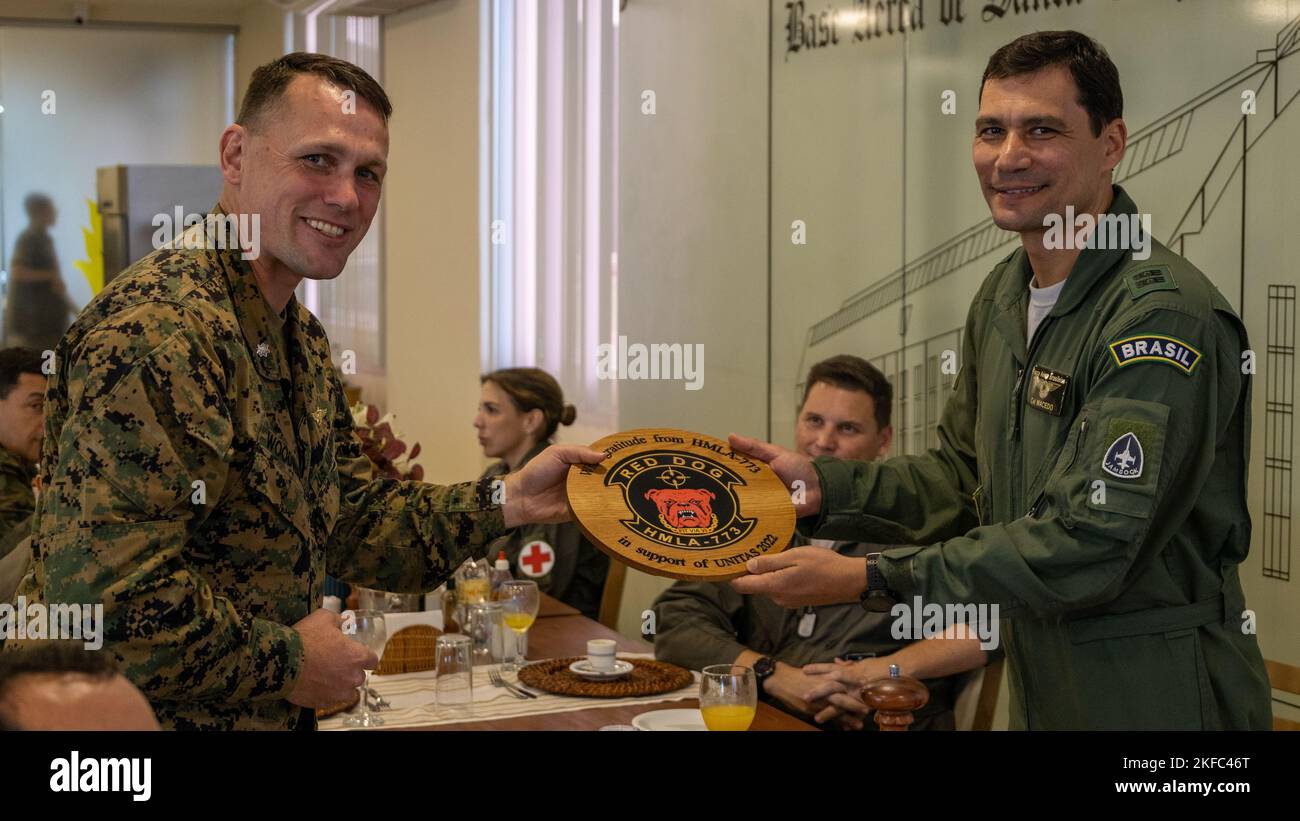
<point x="791" y="685"/>
<point x="842" y="682"/>
<point x="696" y="624"/>
<point x="703" y="623"/>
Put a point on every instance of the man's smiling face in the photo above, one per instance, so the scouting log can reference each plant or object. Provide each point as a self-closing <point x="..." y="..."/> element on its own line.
<point x="1035" y="152"/>
<point x="313" y="171"/>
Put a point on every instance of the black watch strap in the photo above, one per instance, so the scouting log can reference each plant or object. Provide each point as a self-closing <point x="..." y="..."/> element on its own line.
<point x="877" y="598"/>
<point x="763" y="669"/>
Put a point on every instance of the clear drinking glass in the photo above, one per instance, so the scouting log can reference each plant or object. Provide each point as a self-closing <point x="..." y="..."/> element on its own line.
<point x="519" y="602"/>
<point x="728" y="697"/>
<point x="485" y="628"/>
<point x="386" y="602"/>
<point x="454" y="685"/>
<point x="368" y="628"/>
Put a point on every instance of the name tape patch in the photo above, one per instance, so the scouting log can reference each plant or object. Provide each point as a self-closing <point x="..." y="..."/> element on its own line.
<point x="1154" y="348"/>
<point x="1047" y="390"/>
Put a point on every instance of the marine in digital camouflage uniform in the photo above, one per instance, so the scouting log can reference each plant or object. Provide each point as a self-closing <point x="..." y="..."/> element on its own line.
<point x="201" y="475"/>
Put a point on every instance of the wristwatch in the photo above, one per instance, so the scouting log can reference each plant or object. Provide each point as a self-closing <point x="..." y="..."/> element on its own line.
<point x="763" y="669"/>
<point x="877" y="598"/>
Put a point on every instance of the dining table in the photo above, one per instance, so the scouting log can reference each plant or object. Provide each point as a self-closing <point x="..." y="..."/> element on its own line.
<point x="561" y="631"/>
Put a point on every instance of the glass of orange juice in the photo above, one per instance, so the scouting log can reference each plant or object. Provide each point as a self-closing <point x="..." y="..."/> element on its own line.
<point x="519" y="603"/>
<point x="728" y="697"/>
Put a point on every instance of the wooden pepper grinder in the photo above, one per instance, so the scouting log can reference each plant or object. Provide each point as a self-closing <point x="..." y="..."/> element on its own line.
<point x="894" y="698"/>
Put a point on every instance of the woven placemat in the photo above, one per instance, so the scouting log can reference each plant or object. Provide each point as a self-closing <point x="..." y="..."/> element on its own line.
<point x="647" y="678"/>
<point x="410" y="650"/>
<point x="341" y="707"/>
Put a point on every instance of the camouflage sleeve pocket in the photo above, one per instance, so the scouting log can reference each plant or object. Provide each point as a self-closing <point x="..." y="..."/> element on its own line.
<point x="283" y="490"/>
<point x="156" y="433"/>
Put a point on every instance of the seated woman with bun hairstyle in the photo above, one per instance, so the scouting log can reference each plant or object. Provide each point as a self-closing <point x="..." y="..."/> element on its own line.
<point x="518" y="412"/>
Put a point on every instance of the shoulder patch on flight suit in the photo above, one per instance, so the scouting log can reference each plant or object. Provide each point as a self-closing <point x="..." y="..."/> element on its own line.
<point x="1155" y="348"/>
<point x="1126" y="456"/>
<point x="1148" y="279"/>
<point x="536" y="559"/>
<point x="1123" y="458"/>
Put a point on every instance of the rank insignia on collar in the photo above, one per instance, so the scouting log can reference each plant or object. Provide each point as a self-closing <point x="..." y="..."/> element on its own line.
<point x="1151" y="278"/>
<point x="1047" y="390"/>
<point x="263" y="350"/>
<point x="1123" y="458"/>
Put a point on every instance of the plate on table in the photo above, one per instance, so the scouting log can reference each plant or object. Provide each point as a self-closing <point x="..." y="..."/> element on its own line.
<point x="583" y="668"/>
<point x="670" y="720"/>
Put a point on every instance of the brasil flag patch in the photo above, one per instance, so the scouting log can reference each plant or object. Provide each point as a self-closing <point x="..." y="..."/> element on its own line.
<point x="1155" y="348"/>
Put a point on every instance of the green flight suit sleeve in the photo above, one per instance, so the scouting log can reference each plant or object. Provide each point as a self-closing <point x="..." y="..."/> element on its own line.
<point x="695" y="624"/>
<point x="143" y="422"/>
<point x="403" y="536"/>
<point x="1092" y="530"/>
<point x="907" y="499"/>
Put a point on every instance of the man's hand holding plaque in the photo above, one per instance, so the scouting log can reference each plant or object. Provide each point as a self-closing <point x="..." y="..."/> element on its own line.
<point x="800" y="576"/>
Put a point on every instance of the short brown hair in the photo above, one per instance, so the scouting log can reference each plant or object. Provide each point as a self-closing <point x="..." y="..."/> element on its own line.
<point x="1095" y="75"/>
<point x="14" y="362"/>
<point x="852" y="373"/>
<point x="269" y="82"/>
<point x="49" y="657"/>
<point x="534" y="389"/>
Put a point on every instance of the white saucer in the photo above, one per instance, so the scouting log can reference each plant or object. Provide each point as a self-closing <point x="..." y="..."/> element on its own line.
<point x="583" y="668"/>
<point x="672" y="720"/>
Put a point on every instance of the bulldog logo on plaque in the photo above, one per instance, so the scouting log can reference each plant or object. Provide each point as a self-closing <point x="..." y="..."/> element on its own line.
<point x="680" y="504"/>
<point x="679" y="500"/>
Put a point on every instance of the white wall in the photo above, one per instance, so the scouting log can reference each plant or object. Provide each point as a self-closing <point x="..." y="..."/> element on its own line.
<point x="692" y="219"/>
<point x="260" y="40"/>
<point x="431" y="255"/>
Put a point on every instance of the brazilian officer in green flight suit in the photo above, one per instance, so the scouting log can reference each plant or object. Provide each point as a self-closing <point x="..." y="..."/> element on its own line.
<point x="1090" y="479"/>
<point x="518" y="413"/>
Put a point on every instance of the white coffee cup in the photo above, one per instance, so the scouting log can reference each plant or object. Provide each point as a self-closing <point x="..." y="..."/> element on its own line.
<point x="600" y="654"/>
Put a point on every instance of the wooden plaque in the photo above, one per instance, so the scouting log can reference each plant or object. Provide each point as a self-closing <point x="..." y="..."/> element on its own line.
<point x="680" y="504"/>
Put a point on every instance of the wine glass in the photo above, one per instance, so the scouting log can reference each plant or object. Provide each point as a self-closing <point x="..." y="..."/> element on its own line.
<point x="519" y="603"/>
<point x="475" y="582"/>
<point x="368" y="628"/>
<point x="728" y="697"/>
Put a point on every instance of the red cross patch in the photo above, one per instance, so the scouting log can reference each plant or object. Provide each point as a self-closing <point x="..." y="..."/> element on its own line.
<point x="536" y="559"/>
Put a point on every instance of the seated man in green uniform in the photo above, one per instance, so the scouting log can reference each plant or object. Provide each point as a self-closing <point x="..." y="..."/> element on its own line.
<point x="845" y="413"/>
<point x="22" y="425"/>
<point x="1100" y="422"/>
<point x="519" y="411"/>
